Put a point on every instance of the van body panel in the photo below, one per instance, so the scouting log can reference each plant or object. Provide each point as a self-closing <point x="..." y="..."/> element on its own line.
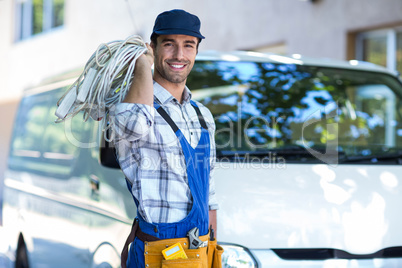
<point x="46" y="223"/>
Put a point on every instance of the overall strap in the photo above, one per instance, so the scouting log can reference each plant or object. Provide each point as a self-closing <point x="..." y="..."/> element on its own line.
<point x="167" y="118"/>
<point x="199" y="114"/>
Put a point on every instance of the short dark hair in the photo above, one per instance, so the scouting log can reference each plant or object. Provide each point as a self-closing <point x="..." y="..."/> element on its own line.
<point x="154" y="39"/>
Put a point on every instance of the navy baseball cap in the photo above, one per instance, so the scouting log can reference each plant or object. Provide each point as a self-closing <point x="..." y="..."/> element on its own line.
<point x="177" y="21"/>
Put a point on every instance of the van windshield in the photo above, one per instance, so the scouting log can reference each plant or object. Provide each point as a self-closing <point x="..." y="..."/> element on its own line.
<point x="301" y="112"/>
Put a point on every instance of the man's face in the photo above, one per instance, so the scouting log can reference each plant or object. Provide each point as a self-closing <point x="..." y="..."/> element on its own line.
<point x="174" y="57"/>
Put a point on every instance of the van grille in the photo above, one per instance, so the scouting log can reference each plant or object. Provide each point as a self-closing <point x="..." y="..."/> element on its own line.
<point x="329" y="253"/>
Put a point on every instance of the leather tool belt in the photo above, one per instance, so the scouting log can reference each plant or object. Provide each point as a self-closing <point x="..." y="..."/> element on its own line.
<point x="204" y="257"/>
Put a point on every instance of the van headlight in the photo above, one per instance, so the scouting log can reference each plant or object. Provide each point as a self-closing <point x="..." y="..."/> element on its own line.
<point x="237" y="257"/>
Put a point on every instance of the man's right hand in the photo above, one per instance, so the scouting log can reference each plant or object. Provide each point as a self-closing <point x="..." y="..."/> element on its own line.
<point x="146" y="60"/>
<point x="141" y="90"/>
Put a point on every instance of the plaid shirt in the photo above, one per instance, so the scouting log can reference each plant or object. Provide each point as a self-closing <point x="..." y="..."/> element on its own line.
<point x="151" y="157"/>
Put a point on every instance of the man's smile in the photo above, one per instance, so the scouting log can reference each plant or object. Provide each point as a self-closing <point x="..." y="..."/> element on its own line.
<point x="177" y="66"/>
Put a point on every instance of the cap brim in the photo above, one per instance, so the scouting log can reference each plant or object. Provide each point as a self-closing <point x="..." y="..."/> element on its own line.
<point x="179" y="31"/>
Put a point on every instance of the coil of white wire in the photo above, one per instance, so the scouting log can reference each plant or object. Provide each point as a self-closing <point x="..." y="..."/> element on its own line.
<point x="104" y="82"/>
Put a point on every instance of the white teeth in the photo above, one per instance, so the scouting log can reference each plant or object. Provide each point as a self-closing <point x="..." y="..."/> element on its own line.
<point x="177" y="66"/>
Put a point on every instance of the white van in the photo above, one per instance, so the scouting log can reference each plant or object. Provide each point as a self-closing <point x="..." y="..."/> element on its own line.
<point x="309" y="170"/>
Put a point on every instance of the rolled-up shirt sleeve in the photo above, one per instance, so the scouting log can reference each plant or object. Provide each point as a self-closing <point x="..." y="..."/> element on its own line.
<point x="132" y="121"/>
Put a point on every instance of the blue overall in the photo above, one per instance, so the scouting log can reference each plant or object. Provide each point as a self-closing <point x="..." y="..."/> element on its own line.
<point x="198" y="169"/>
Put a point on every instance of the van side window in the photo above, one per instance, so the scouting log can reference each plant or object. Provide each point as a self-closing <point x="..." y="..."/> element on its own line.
<point x="39" y="143"/>
<point x="28" y="132"/>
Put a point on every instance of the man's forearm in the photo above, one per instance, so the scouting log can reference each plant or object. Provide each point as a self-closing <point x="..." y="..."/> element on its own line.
<point x="213" y="221"/>
<point x="141" y="89"/>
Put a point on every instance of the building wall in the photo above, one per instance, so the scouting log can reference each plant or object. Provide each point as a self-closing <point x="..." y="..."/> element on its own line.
<point x="319" y="30"/>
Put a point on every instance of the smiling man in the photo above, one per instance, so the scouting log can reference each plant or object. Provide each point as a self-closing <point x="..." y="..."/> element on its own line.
<point x="166" y="149"/>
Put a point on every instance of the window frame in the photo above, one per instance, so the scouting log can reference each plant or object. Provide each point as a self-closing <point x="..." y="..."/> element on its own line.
<point x="24" y="19"/>
<point x="391" y="38"/>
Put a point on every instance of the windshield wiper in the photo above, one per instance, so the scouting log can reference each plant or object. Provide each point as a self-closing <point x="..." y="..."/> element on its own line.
<point x="394" y="158"/>
<point x="297" y="153"/>
<point x="292" y="153"/>
<point x="262" y="153"/>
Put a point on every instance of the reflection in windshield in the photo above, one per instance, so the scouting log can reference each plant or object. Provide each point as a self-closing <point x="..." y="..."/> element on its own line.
<point x="264" y="106"/>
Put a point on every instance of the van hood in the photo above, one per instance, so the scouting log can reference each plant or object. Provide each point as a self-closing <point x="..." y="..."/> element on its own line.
<point x="354" y="208"/>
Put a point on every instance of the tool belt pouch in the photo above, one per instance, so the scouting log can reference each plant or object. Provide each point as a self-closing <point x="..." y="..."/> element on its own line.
<point x="214" y="255"/>
<point x="197" y="258"/>
<point x="204" y="257"/>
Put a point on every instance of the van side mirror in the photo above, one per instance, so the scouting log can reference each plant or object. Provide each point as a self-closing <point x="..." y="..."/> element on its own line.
<point x="107" y="154"/>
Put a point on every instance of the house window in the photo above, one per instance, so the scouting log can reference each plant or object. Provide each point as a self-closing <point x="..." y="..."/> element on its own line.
<point x="382" y="47"/>
<point x="37" y="16"/>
